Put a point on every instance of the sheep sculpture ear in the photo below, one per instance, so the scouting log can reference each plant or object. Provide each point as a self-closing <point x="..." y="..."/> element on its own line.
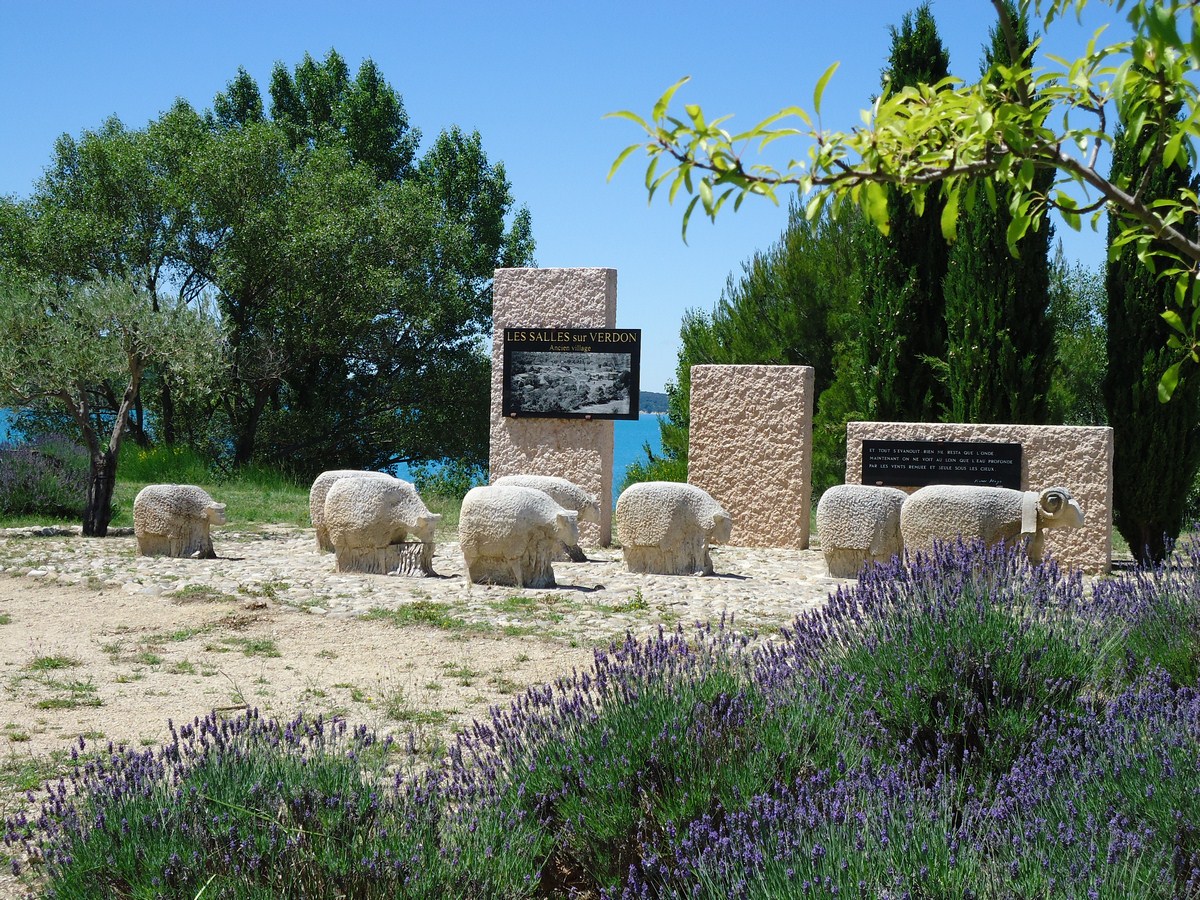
<point x="1029" y="512"/>
<point x="1053" y="500"/>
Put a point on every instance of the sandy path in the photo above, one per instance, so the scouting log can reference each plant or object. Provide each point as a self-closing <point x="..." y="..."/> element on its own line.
<point x="116" y="666"/>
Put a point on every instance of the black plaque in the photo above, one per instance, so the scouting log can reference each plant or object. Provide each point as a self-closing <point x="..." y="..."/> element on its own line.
<point x="918" y="463"/>
<point x="571" y="373"/>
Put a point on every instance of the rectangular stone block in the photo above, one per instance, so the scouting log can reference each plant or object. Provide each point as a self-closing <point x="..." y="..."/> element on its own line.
<point x="750" y="447"/>
<point x="580" y="451"/>
<point x="1077" y="458"/>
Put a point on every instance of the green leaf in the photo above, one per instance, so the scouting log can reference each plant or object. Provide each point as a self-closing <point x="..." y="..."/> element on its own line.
<point x="950" y="215"/>
<point x="1168" y="383"/>
<point x="1016" y="230"/>
<point x="876" y="205"/>
<point x="1171" y="150"/>
<point x="687" y="214"/>
<point x="626" y="114"/>
<point x="650" y="170"/>
<point x="1173" y="319"/>
<point x="820" y="88"/>
<point x="664" y="101"/>
<point x="620" y="159"/>
<point x="813" y="208"/>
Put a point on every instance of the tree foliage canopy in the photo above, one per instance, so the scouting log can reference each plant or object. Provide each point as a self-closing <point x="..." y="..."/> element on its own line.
<point x="351" y="274"/>
<point x="86" y="348"/>
<point x="966" y="138"/>
<point x="1156" y="446"/>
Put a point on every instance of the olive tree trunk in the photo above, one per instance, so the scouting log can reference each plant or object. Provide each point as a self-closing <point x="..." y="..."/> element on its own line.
<point x="102" y="479"/>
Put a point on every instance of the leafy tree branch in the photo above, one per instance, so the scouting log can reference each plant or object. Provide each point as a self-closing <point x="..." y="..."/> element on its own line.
<point x="1034" y="113"/>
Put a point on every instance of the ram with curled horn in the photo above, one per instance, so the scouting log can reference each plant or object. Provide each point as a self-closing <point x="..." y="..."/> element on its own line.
<point x="946" y="511"/>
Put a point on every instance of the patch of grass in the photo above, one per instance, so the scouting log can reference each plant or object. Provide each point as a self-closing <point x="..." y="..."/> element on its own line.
<point x="448" y="508"/>
<point x="504" y="684"/>
<point x="636" y="603"/>
<point x="357" y="694"/>
<point x="465" y="675"/>
<point x="19" y="774"/>
<point x="518" y="630"/>
<point x="5" y="619"/>
<point x="248" y="646"/>
<point x="147" y="658"/>
<point x="174" y="637"/>
<point x="51" y="663"/>
<point x="518" y="603"/>
<point x="269" y="590"/>
<point x="542" y="606"/>
<point x="326" y="654"/>
<point x="71" y="695"/>
<point x="422" y="612"/>
<point x="201" y="593"/>
<point x="396" y="707"/>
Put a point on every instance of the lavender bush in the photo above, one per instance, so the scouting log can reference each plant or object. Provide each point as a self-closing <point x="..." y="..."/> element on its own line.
<point x="967" y="725"/>
<point x="46" y="476"/>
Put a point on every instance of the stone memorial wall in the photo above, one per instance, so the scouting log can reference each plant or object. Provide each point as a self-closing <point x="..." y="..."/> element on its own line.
<point x="578" y="450"/>
<point x="750" y="447"/>
<point x="1077" y="458"/>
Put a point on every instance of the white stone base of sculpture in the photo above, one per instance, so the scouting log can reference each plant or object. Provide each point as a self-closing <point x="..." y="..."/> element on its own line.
<point x="191" y="540"/>
<point x="691" y="558"/>
<point x="844" y="563"/>
<point x="531" y="570"/>
<point x="411" y="558"/>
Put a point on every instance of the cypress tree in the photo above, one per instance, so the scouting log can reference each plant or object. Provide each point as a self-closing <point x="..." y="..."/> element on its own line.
<point x="903" y="323"/>
<point x="999" y="336"/>
<point x="1156" y="445"/>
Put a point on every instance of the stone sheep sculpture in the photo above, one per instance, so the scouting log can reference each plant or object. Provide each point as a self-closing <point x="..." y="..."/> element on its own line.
<point x="316" y="500"/>
<point x="174" y="520"/>
<point x="379" y="526"/>
<point x="946" y="511"/>
<point x="666" y="528"/>
<point x="509" y="535"/>
<point x="566" y="494"/>
<point x="859" y="524"/>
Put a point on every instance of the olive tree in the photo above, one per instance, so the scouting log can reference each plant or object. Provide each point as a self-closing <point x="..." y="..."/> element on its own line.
<point x="77" y="345"/>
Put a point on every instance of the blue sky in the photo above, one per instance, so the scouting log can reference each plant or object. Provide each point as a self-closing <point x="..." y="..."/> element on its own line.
<point x="534" y="78"/>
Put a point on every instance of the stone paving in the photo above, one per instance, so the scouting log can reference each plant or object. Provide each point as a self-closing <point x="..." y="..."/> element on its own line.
<point x="594" y="601"/>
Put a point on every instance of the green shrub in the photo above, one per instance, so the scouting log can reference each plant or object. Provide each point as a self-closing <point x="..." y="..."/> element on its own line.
<point x="46" y="476"/>
<point x="450" y="478"/>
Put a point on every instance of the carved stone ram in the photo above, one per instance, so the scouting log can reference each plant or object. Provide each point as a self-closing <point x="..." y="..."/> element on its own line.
<point x="944" y="511"/>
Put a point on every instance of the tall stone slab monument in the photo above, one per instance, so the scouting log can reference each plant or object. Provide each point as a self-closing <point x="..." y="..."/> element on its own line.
<point x="578" y="450"/>
<point x="750" y="447"/>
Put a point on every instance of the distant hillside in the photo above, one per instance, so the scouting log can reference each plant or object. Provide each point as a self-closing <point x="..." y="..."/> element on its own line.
<point x="652" y="402"/>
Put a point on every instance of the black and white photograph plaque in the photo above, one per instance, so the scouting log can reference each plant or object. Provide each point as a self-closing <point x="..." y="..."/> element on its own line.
<point x="571" y="373"/>
<point x="918" y="463"/>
